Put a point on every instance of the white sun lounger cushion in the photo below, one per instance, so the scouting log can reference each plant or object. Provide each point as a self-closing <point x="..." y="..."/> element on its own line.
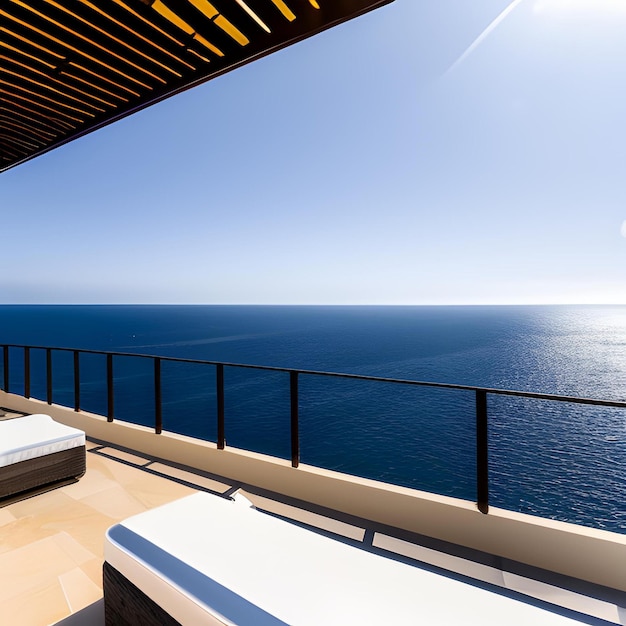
<point x="32" y="436"/>
<point x="205" y="557"/>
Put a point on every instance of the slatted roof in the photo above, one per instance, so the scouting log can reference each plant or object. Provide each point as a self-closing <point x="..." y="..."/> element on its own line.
<point x="68" y="67"/>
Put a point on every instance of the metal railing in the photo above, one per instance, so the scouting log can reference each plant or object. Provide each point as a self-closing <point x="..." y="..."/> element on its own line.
<point x="481" y="397"/>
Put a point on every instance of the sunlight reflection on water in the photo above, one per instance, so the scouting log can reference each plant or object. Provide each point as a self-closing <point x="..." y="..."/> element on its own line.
<point x="557" y="460"/>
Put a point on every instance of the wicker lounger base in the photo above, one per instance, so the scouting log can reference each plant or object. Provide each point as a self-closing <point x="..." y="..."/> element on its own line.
<point x="126" y="605"/>
<point x="42" y="470"/>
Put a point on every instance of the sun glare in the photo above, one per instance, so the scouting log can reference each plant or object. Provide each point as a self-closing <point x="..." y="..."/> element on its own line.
<point x="560" y="7"/>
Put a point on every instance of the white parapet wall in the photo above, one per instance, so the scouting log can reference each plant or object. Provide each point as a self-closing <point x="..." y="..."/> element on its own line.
<point x="588" y="554"/>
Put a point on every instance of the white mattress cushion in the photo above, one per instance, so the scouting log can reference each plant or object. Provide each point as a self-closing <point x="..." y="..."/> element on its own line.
<point x="32" y="436"/>
<point x="205" y="554"/>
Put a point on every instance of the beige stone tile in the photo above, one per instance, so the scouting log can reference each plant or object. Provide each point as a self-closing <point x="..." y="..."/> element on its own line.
<point x="42" y="605"/>
<point x="79" y="589"/>
<point x="154" y="491"/>
<point x="31" y="567"/>
<point x="6" y="517"/>
<point x="30" y="523"/>
<point x="306" y="517"/>
<point x="125" y="456"/>
<point x="115" y="503"/>
<point x="439" y="559"/>
<point x="84" y="523"/>
<point x="39" y="504"/>
<point x="76" y="551"/>
<point x="93" y="569"/>
<point x="90" y="533"/>
<point x="190" y="477"/>
<point x="91" y="445"/>
<point x="94" y="481"/>
<point x="51" y="545"/>
<point x="21" y="532"/>
<point x="120" y="473"/>
<point x="102" y="464"/>
<point x="148" y="489"/>
<point x="24" y="533"/>
<point x="562" y="597"/>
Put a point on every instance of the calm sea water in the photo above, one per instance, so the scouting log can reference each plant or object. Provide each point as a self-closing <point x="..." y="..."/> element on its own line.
<point x="557" y="460"/>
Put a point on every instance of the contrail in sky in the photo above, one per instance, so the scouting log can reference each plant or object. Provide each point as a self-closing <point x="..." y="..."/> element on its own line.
<point x="494" y="24"/>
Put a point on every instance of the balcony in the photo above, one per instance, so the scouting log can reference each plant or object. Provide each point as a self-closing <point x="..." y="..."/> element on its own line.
<point x="564" y="567"/>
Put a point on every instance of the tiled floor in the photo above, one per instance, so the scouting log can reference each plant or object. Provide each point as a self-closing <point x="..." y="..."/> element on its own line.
<point x="9" y="414"/>
<point x="51" y="545"/>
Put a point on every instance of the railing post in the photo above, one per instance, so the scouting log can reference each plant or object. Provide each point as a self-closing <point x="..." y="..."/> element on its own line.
<point x="295" y="437"/>
<point x="26" y="372"/>
<point x="49" y="375"/>
<point x="158" y="413"/>
<point x="219" y="387"/>
<point x="109" y="387"/>
<point x="76" y="381"/>
<point x="5" y="356"/>
<point x="482" y="452"/>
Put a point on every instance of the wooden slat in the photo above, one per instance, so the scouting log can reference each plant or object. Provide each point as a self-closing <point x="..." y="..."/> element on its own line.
<point x="68" y="68"/>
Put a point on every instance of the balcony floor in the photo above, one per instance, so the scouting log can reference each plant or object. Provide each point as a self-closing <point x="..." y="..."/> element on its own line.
<point x="51" y="544"/>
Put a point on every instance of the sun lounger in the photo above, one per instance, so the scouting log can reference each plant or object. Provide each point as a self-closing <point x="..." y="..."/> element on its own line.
<point x="207" y="560"/>
<point x="36" y="451"/>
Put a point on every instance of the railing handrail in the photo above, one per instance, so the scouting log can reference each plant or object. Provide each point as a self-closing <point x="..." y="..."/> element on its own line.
<point x="481" y="394"/>
<point x="403" y="381"/>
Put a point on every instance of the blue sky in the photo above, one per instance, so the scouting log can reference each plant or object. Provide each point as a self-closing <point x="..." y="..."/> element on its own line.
<point x="437" y="152"/>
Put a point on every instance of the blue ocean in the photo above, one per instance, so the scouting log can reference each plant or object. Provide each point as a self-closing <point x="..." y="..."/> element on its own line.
<point x="558" y="460"/>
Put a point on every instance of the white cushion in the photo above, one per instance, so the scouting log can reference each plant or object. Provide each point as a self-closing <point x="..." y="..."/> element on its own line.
<point x="32" y="436"/>
<point x="203" y="557"/>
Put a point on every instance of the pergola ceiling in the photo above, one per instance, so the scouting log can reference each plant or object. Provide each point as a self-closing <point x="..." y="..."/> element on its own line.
<point x="69" y="67"/>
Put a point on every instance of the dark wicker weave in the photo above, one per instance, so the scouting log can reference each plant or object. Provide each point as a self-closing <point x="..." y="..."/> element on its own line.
<point x="42" y="470"/>
<point x="127" y="605"/>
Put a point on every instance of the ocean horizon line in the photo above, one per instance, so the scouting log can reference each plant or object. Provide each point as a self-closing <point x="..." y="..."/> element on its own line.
<point x="319" y="305"/>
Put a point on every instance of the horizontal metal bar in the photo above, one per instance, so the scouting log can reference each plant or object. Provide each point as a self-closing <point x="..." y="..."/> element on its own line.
<point x="400" y="381"/>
